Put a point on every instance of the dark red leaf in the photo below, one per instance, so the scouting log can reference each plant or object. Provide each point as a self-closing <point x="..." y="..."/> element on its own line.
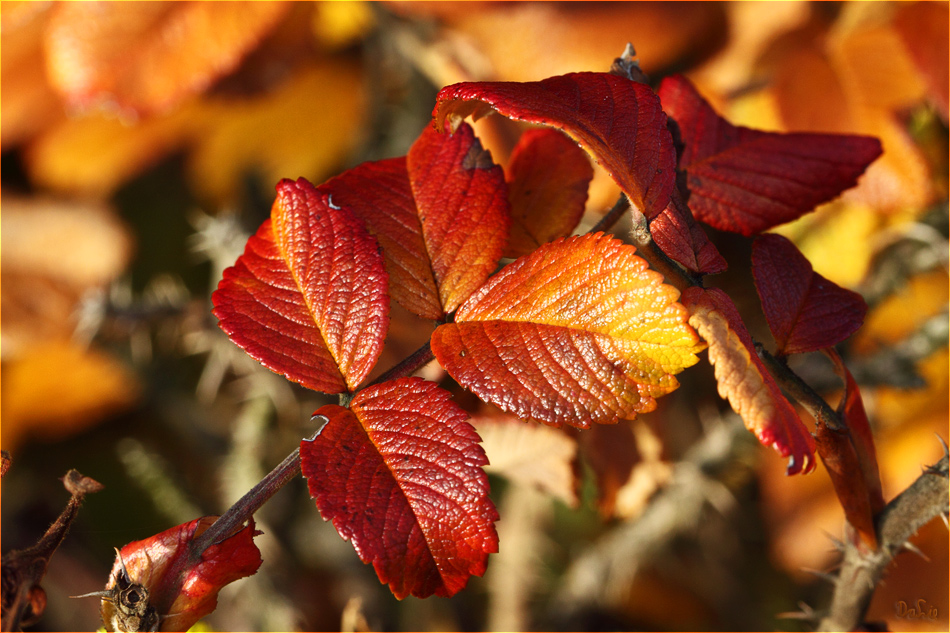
<point x="743" y="379"/>
<point x="852" y="411"/>
<point x="681" y="237"/>
<point x="747" y="181"/>
<point x="618" y="121"/>
<point x="308" y="298"/>
<point x="399" y="474"/>
<point x="805" y="311"/>
<point x="548" y="176"/>
<point x="440" y="215"/>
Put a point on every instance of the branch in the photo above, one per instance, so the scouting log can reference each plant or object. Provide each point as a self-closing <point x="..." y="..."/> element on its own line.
<point x="862" y="570"/>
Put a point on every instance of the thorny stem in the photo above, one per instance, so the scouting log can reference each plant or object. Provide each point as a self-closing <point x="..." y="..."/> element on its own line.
<point x="861" y="571"/>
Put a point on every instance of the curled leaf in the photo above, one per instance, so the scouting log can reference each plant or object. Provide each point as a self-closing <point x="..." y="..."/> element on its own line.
<point x="744" y="380"/>
<point x="618" y="121"/>
<point x="308" y="298"/>
<point x="805" y="311"/>
<point x="399" y="475"/>
<point x="578" y="332"/>
<point x="746" y="181"/>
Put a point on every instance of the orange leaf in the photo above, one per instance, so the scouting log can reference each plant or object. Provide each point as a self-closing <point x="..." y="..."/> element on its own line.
<point x="578" y="332"/>
<point x="308" y="298"/>
<point x="744" y="381"/>
<point x="548" y="176"/>
<point x="146" y="57"/>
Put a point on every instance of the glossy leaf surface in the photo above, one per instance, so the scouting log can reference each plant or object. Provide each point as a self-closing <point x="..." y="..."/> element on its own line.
<point x="744" y="380"/>
<point x="578" y="332"/>
<point x="182" y="589"/>
<point x="400" y="475"/>
<point x="308" y="298"/>
<point x="618" y="121"/>
<point x="440" y="215"/>
<point x="746" y="181"/>
<point x="548" y="176"/>
<point x="805" y="311"/>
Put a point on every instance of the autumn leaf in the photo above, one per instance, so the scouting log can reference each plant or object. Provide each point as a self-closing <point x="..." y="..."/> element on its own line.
<point x="578" y="332"/>
<point x="308" y="298"/>
<point x="440" y="215"/>
<point x="548" y="176"/>
<point x="850" y="458"/>
<point x="399" y="474"/>
<point x="744" y="380"/>
<point x="529" y="454"/>
<point x="148" y="57"/>
<point x="680" y="236"/>
<point x="851" y="409"/>
<point x="180" y="587"/>
<point x="805" y="311"/>
<point x="589" y="107"/>
<point x="746" y="181"/>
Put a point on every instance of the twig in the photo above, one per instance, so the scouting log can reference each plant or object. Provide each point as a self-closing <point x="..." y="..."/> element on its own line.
<point x="861" y="570"/>
<point x="239" y="513"/>
<point x="801" y="391"/>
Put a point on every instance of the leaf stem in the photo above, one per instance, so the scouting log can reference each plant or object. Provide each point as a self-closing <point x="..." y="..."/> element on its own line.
<point x="801" y="391"/>
<point x="612" y="216"/>
<point x="407" y="366"/>
<point x="242" y="510"/>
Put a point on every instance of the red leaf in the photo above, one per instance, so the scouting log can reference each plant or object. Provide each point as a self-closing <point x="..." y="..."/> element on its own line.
<point x="744" y="380"/>
<point x="182" y="590"/>
<point x="852" y="411"/>
<point x="618" y="121"/>
<point x="805" y="311"/>
<point x="578" y="332"/>
<point x="747" y="181"/>
<point x="399" y="474"/>
<point x="308" y="298"/>
<point x="681" y="237"/>
<point x="440" y="216"/>
<point x="463" y="202"/>
<point x="548" y="176"/>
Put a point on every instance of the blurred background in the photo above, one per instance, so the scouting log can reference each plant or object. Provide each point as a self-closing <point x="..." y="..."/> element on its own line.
<point x="141" y="143"/>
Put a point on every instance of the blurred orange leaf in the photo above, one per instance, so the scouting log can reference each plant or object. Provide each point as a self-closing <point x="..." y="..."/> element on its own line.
<point x="146" y="57"/>
<point x="578" y="332"/>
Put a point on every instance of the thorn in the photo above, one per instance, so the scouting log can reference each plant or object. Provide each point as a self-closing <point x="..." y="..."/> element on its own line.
<point x="838" y="544"/>
<point x="823" y="575"/>
<point x="943" y="443"/>
<point x="805" y="613"/>
<point x="946" y="520"/>
<point x="913" y="548"/>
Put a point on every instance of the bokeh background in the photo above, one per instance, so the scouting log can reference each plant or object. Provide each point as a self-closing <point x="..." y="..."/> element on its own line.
<point x="140" y="146"/>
